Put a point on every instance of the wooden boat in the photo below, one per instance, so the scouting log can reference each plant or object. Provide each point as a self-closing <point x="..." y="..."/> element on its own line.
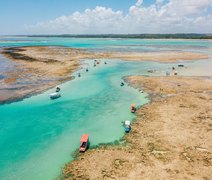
<point x="133" y="108"/>
<point x="127" y="126"/>
<point x="84" y="143"/>
<point x="122" y="84"/>
<point x="55" y="95"/>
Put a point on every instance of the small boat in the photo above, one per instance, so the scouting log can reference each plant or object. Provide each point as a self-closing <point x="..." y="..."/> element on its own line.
<point x="58" y="89"/>
<point x="84" y="143"/>
<point x="55" y="95"/>
<point x="105" y="62"/>
<point x="127" y="126"/>
<point x="133" y="108"/>
<point x="175" y="73"/>
<point x="150" y="71"/>
<point x="97" y="62"/>
<point x="180" y="65"/>
<point x="122" y="84"/>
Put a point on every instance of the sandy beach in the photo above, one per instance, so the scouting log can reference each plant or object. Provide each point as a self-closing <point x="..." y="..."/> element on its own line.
<point x="170" y="139"/>
<point x="40" y="68"/>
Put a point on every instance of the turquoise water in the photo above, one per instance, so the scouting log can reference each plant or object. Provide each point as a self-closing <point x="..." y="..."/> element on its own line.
<point x="38" y="135"/>
<point x="115" y="44"/>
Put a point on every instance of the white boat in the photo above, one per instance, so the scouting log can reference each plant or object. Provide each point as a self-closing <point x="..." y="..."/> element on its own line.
<point x="54" y="95"/>
<point x="127" y="126"/>
<point x="127" y="123"/>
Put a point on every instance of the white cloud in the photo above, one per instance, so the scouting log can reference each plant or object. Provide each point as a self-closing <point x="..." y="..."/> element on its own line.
<point x="139" y="3"/>
<point x="171" y="17"/>
<point x="159" y="1"/>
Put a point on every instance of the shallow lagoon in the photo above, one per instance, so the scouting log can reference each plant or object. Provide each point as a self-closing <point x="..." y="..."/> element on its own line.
<point x="37" y="135"/>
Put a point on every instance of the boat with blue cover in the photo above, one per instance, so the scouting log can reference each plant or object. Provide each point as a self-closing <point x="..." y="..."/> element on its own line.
<point x="127" y="126"/>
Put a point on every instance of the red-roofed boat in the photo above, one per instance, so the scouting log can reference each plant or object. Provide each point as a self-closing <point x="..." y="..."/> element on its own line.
<point x="84" y="142"/>
<point x="133" y="108"/>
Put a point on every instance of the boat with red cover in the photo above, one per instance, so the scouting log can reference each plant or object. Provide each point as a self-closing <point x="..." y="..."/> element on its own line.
<point x="84" y="142"/>
<point x="133" y="108"/>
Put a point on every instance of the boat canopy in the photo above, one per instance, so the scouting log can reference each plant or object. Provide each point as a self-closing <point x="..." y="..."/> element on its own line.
<point x="127" y="123"/>
<point x="132" y="105"/>
<point x="84" y="138"/>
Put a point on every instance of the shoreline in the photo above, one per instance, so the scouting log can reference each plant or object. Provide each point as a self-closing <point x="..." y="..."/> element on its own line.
<point x="48" y="66"/>
<point x="145" y="151"/>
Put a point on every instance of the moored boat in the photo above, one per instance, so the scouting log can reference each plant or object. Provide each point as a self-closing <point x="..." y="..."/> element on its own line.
<point x="84" y="143"/>
<point x="55" y="95"/>
<point x="58" y="89"/>
<point x="180" y="65"/>
<point x="122" y="84"/>
<point x="127" y="126"/>
<point x="133" y="108"/>
<point x="150" y="71"/>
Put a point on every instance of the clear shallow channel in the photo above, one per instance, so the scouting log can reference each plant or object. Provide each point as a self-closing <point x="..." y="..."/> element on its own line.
<point x="38" y="135"/>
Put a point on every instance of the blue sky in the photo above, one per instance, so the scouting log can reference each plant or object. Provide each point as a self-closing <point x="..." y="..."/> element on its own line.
<point x="33" y="16"/>
<point x="32" y="11"/>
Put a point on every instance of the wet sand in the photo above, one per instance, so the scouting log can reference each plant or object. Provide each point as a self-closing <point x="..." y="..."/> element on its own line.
<point x="170" y="139"/>
<point x="40" y="68"/>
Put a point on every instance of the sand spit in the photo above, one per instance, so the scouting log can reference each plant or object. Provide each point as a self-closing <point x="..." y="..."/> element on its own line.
<point x="40" y="68"/>
<point x="171" y="138"/>
<point x="159" y="56"/>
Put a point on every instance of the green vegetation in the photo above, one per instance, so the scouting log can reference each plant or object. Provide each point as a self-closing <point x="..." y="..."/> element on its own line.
<point x="138" y="36"/>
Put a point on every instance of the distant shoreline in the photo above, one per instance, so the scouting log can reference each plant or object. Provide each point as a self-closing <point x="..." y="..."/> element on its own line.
<point x="127" y="36"/>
